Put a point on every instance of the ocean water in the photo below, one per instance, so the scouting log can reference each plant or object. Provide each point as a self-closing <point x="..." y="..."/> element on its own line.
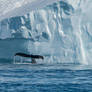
<point x="45" y="78"/>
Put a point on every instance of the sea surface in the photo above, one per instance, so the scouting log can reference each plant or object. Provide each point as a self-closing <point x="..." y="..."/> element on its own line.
<point x="45" y="78"/>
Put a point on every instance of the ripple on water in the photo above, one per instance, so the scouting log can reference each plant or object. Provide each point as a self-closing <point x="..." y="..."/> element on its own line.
<point x="45" y="78"/>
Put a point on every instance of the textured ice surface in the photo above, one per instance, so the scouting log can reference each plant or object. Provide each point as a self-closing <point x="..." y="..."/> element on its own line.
<point x="11" y="8"/>
<point x="60" y="31"/>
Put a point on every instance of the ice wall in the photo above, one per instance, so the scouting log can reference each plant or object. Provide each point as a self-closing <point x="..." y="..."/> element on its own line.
<point x="60" y="31"/>
<point x="11" y="8"/>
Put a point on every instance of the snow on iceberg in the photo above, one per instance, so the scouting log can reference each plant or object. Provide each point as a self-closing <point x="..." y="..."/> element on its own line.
<point x="11" y="8"/>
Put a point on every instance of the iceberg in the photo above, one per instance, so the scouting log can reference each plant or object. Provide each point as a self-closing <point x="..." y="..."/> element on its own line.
<point x="60" y="30"/>
<point x="11" y="8"/>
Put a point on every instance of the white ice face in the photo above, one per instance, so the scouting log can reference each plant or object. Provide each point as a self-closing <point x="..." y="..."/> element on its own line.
<point x="11" y="8"/>
<point x="62" y="30"/>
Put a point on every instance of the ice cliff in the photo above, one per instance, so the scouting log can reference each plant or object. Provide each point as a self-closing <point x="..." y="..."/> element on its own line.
<point x="60" y="30"/>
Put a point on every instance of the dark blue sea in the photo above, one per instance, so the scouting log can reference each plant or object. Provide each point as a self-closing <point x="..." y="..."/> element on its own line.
<point x="45" y="78"/>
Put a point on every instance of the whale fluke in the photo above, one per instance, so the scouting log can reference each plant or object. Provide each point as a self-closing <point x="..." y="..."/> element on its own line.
<point x="29" y="56"/>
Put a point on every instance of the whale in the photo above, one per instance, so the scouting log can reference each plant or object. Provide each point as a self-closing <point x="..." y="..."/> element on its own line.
<point x="29" y="56"/>
<point x="33" y="57"/>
